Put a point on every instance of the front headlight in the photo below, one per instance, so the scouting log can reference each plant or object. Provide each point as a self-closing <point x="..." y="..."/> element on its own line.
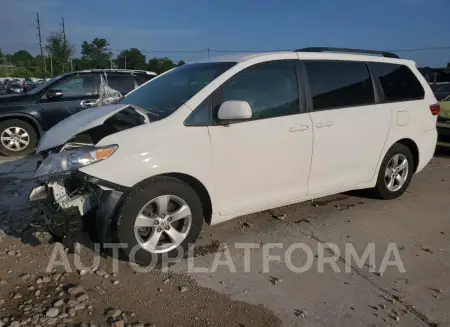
<point x="64" y="162"/>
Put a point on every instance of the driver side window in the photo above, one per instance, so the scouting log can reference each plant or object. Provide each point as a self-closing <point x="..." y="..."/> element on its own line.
<point x="270" y="89"/>
<point x="81" y="85"/>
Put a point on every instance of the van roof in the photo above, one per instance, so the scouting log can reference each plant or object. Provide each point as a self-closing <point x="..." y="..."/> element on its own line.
<point x="239" y="57"/>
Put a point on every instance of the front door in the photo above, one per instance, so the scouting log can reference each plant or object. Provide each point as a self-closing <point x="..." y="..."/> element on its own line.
<point x="78" y="92"/>
<point x="349" y="129"/>
<point x="264" y="161"/>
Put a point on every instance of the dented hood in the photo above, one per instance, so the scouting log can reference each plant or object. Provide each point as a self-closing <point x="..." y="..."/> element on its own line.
<point x="76" y="124"/>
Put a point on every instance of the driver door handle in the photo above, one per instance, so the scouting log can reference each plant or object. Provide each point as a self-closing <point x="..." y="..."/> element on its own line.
<point x="324" y="124"/>
<point x="299" y="128"/>
<point x="88" y="103"/>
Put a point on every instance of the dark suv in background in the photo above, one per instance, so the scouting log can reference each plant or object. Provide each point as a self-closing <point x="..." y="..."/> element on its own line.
<point x="26" y="116"/>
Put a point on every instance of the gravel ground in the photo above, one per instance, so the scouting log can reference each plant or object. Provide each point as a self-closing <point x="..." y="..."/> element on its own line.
<point x="417" y="222"/>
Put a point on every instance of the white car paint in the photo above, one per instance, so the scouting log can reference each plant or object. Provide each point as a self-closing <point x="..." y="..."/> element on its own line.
<point x="358" y="133"/>
<point x="247" y="169"/>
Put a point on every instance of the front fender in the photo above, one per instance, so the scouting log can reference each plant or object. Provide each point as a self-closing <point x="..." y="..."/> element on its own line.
<point x="158" y="148"/>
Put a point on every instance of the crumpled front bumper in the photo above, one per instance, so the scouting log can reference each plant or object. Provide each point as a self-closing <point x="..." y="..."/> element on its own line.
<point x="62" y="222"/>
<point x="78" y="203"/>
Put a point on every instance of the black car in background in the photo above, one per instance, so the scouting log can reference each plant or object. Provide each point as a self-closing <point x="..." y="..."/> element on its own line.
<point x="14" y="86"/>
<point x="24" y="117"/>
<point x="28" y="85"/>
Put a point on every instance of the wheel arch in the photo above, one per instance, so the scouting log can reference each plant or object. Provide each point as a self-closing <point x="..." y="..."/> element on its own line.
<point x="198" y="187"/>
<point x="412" y="146"/>
<point x="26" y="118"/>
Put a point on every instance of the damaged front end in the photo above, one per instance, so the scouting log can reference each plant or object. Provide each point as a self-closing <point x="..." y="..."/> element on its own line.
<point x="70" y="201"/>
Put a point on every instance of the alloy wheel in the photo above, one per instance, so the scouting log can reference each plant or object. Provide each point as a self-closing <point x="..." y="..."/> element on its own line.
<point x="163" y="223"/>
<point x="15" y="138"/>
<point x="396" y="172"/>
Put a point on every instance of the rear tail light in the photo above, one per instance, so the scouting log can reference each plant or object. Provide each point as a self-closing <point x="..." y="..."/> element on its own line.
<point x="435" y="109"/>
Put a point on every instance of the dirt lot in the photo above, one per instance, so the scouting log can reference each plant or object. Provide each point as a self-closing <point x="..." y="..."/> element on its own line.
<point x="418" y="223"/>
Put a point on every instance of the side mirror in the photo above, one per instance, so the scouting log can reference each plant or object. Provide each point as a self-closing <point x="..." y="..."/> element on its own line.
<point x="234" y="110"/>
<point x="54" y="94"/>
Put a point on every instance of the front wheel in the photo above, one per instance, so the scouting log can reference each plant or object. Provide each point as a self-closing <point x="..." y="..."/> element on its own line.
<point x="159" y="219"/>
<point x="17" y="138"/>
<point x="395" y="172"/>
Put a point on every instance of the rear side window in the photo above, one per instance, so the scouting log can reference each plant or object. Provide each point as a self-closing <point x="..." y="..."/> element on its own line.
<point x="398" y="82"/>
<point x="337" y="84"/>
<point x="121" y="82"/>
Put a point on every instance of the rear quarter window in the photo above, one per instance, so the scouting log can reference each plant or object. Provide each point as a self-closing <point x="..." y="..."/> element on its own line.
<point x="121" y="82"/>
<point x="141" y="79"/>
<point x="398" y="82"/>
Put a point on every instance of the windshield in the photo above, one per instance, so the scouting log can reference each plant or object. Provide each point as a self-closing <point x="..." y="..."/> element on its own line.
<point x="165" y="94"/>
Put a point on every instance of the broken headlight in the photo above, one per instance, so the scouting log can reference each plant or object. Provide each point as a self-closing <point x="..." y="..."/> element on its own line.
<point x="66" y="161"/>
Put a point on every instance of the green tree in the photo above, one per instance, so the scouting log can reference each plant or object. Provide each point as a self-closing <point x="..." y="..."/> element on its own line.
<point x="22" y="72"/>
<point x="131" y="59"/>
<point x="97" y="53"/>
<point x="80" y="64"/>
<point x="59" y="52"/>
<point x="181" y="63"/>
<point x="41" y="67"/>
<point x="160" y="65"/>
<point x="22" y="58"/>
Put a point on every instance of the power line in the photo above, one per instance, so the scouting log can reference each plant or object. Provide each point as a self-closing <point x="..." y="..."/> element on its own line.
<point x="163" y="51"/>
<point x="209" y="50"/>
<point x="421" y="49"/>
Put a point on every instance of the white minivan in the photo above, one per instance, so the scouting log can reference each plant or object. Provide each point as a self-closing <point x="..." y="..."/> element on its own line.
<point x="228" y="136"/>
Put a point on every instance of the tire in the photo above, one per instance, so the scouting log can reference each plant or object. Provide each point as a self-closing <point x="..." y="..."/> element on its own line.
<point x="157" y="188"/>
<point x="385" y="175"/>
<point x="24" y="127"/>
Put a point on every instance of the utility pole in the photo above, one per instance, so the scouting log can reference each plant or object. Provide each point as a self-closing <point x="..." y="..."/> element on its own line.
<point x="63" y="31"/>
<point x="125" y="62"/>
<point x="110" y="63"/>
<point x="40" y="42"/>
<point x="208" y="53"/>
<point x="64" y="36"/>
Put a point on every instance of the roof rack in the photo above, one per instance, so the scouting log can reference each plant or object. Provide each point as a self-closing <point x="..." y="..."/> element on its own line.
<point x="119" y="70"/>
<point x="325" y="49"/>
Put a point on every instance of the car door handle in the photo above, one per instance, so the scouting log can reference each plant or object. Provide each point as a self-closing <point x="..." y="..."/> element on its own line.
<point x="88" y="103"/>
<point x="326" y="124"/>
<point x="299" y="128"/>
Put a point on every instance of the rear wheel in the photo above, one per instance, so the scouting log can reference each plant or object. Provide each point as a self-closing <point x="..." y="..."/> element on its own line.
<point x="159" y="220"/>
<point x="395" y="172"/>
<point x="17" y="138"/>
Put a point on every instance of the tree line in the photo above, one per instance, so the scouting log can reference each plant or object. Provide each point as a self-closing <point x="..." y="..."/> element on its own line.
<point x="95" y="54"/>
